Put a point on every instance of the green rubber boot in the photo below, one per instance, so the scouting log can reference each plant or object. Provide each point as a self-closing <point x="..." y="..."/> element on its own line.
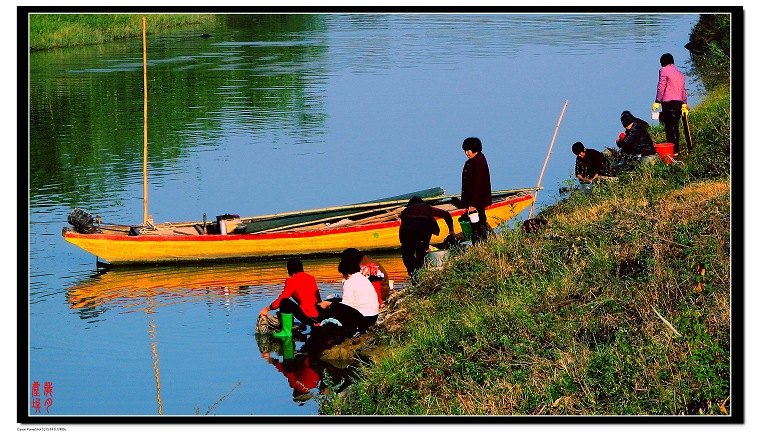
<point x="288" y="348"/>
<point x="287" y="326"/>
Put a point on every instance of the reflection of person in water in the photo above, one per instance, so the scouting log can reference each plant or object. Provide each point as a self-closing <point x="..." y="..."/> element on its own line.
<point x="296" y="368"/>
<point x="335" y="379"/>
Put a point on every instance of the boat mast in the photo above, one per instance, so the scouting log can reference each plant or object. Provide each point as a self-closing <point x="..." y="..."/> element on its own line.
<point x="538" y="186"/>
<point x="145" y="125"/>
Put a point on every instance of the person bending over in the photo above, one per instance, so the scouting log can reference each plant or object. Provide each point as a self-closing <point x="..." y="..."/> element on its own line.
<point x="418" y="225"/>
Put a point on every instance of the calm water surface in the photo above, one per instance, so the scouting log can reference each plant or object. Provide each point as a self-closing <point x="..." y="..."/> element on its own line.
<point x="280" y="113"/>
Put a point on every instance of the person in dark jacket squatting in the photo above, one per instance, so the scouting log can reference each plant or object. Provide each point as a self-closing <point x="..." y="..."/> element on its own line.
<point x="418" y="225"/>
<point x="589" y="163"/>
<point x="476" y="187"/>
<point x="635" y="142"/>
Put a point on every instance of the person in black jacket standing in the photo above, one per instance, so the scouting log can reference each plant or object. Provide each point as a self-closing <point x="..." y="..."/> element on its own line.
<point x="476" y="187"/>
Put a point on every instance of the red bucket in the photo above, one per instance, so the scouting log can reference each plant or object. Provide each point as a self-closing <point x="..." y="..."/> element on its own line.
<point x="665" y="151"/>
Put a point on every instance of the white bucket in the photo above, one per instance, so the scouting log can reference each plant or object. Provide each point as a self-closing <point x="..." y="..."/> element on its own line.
<point x="436" y="258"/>
<point x="655" y="115"/>
<point x="474" y="218"/>
<point x="222" y="227"/>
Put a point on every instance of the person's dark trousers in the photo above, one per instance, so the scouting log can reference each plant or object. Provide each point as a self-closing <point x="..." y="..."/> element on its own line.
<point x="413" y="255"/>
<point x="351" y="320"/>
<point x="366" y="323"/>
<point x="480" y="229"/>
<point x="289" y="306"/>
<point x="415" y="241"/>
<point x="671" y="118"/>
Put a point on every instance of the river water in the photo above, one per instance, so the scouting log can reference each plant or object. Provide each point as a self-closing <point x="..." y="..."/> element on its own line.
<point x="275" y="113"/>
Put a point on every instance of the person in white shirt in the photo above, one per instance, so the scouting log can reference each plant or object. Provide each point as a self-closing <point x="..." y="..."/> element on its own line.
<point x="357" y="310"/>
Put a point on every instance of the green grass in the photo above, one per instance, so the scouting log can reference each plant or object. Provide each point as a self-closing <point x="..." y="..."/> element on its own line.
<point x="49" y="31"/>
<point x="567" y="321"/>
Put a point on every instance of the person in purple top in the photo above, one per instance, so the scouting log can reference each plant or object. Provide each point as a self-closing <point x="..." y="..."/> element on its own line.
<point x="671" y="93"/>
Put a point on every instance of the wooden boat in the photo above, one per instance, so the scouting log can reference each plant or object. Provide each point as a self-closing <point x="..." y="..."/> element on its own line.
<point x="366" y="226"/>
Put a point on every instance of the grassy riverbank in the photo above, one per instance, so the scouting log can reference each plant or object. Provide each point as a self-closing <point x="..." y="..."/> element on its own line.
<point x="621" y="305"/>
<point x="48" y="31"/>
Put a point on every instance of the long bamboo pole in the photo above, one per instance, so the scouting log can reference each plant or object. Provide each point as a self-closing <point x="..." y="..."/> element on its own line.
<point x="538" y="185"/>
<point x="376" y="204"/>
<point x="145" y="122"/>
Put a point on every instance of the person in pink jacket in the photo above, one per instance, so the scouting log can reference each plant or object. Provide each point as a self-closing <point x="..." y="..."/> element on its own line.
<point x="671" y="93"/>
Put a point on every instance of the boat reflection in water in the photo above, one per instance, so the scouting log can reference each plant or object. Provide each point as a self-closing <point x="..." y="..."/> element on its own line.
<point x="131" y="289"/>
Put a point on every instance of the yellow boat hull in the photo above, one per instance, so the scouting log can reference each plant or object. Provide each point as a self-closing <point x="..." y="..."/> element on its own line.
<point x="147" y="249"/>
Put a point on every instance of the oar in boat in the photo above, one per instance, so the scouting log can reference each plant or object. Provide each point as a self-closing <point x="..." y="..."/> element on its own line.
<point x="386" y="211"/>
<point x="368" y="205"/>
<point x="260" y="224"/>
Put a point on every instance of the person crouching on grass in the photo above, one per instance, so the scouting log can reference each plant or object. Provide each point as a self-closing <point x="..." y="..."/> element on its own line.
<point x="299" y="299"/>
<point x="589" y="163"/>
<point x="635" y="144"/>
<point x="358" y="308"/>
